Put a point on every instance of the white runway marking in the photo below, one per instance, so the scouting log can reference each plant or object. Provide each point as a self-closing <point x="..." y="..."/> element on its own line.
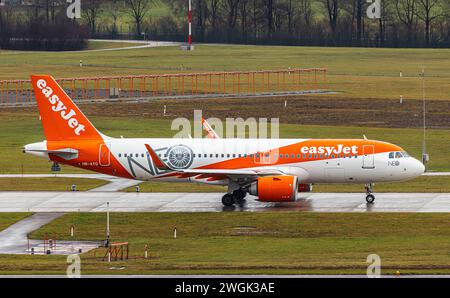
<point x="48" y="201"/>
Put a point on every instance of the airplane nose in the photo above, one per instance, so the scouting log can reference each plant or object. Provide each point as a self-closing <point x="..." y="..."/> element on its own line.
<point x="420" y="168"/>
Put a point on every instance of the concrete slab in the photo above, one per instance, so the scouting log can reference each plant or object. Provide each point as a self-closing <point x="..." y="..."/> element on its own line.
<point x="14" y="238"/>
<point x="35" y="201"/>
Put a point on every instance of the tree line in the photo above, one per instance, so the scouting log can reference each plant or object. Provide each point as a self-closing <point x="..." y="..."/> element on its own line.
<point x="401" y="23"/>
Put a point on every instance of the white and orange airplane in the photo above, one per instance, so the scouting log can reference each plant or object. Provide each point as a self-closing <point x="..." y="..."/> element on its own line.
<point x="274" y="170"/>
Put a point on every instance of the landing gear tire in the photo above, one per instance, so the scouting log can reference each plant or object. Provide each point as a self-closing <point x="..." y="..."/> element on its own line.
<point x="239" y="196"/>
<point x="370" y="198"/>
<point x="228" y="200"/>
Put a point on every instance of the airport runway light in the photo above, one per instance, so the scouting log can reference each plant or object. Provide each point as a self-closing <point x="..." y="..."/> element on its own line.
<point x="107" y="223"/>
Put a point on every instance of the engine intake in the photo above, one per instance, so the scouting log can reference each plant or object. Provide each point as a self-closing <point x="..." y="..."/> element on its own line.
<point x="281" y="188"/>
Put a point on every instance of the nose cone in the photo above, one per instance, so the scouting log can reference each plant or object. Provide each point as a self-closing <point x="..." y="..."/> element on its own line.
<point x="419" y="168"/>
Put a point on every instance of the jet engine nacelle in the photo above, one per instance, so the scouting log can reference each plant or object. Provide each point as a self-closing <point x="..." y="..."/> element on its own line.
<point x="279" y="188"/>
<point x="305" y="187"/>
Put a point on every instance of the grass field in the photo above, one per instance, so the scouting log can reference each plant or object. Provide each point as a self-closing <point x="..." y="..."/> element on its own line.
<point x="56" y="184"/>
<point x="357" y="72"/>
<point x="229" y="243"/>
<point x="7" y="219"/>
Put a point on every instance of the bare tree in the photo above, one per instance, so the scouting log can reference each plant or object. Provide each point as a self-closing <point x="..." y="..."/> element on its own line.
<point x="214" y="15"/>
<point x="332" y="7"/>
<point x="114" y="8"/>
<point x="428" y="11"/>
<point x="406" y="12"/>
<point x="91" y="11"/>
<point x="243" y="15"/>
<point x="231" y="7"/>
<point x="306" y="11"/>
<point x="200" y="16"/>
<point x="269" y="10"/>
<point x="138" y="10"/>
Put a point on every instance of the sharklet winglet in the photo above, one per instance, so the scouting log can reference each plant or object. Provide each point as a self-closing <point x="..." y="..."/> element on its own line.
<point x="158" y="162"/>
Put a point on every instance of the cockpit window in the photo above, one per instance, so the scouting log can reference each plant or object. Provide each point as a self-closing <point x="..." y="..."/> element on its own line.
<point x="398" y="154"/>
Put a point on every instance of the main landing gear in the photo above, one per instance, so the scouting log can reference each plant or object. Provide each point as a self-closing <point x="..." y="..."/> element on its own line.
<point x="237" y="197"/>
<point x="370" y="197"/>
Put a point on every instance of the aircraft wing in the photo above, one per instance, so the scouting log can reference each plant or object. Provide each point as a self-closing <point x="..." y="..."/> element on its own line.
<point x="211" y="174"/>
<point x="221" y="174"/>
<point x="232" y="172"/>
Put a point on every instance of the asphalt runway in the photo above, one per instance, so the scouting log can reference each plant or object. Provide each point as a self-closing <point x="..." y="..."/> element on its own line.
<point x="48" y="201"/>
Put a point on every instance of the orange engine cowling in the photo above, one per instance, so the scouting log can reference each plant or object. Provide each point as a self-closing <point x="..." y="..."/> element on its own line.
<point x="304" y="187"/>
<point x="275" y="188"/>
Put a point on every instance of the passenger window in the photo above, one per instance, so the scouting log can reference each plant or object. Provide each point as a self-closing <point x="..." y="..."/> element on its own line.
<point x="205" y="155"/>
<point x="287" y="155"/>
<point x="120" y="155"/>
<point x="125" y="155"/>
<point x="228" y="155"/>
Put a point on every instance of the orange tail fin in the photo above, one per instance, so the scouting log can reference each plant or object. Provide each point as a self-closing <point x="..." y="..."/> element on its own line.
<point x="61" y="118"/>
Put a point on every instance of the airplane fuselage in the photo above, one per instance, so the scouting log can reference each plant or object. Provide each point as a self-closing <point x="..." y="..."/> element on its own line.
<point x="311" y="160"/>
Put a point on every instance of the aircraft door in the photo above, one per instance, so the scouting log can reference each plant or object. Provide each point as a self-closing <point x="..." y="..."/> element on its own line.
<point x="104" y="156"/>
<point x="368" y="157"/>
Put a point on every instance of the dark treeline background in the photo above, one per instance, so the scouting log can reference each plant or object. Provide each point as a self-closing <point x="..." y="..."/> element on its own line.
<point x="43" y="24"/>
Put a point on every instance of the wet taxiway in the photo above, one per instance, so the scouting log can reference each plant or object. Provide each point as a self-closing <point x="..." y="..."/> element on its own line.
<point x="48" y="201"/>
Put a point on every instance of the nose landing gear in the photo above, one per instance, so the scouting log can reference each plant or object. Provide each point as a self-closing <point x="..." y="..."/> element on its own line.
<point x="238" y="197"/>
<point x="370" y="197"/>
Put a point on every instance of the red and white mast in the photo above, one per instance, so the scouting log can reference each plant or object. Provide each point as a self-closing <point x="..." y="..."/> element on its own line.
<point x="190" y="24"/>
